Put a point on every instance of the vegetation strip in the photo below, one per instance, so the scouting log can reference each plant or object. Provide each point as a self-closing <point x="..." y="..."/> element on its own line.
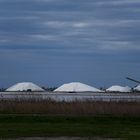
<point x="76" y="108"/>
<point x="56" y="126"/>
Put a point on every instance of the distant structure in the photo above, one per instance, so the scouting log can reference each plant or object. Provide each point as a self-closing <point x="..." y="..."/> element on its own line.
<point x="137" y="88"/>
<point x="76" y="87"/>
<point x="117" y="88"/>
<point x="136" y="81"/>
<point x="25" y="86"/>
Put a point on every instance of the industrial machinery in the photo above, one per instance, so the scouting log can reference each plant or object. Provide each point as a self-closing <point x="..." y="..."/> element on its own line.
<point x="136" y="81"/>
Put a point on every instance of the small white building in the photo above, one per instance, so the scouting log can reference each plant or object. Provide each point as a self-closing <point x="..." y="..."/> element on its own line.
<point x="117" y="88"/>
<point x="76" y="87"/>
<point x="25" y="86"/>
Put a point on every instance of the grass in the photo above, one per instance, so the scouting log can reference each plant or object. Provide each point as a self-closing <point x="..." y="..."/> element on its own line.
<point x="35" y="118"/>
<point x="53" y="126"/>
<point x="76" y="108"/>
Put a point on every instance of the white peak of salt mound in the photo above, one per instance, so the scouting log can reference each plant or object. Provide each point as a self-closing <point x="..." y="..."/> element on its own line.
<point x="137" y="88"/>
<point x="117" y="88"/>
<point x="76" y="87"/>
<point x="25" y="86"/>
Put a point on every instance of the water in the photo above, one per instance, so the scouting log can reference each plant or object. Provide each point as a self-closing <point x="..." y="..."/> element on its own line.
<point x="129" y="97"/>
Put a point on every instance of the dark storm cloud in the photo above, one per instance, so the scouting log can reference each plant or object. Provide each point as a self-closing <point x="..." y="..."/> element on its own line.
<point x="94" y="25"/>
<point x="92" y="40"/>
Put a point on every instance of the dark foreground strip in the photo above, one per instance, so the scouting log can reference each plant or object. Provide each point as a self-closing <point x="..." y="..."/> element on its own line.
<point x="57" y="126"/>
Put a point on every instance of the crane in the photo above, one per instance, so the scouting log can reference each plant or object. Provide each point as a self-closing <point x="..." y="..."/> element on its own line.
<point x="136" y="81"/>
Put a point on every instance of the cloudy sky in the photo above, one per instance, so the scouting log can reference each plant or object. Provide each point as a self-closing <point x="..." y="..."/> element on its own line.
<point x="51" y="42"/>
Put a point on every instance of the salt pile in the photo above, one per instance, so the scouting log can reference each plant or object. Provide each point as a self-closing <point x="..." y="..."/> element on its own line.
<point x="117" y="88"/>
<point x="76" y="87"/>
<point x="137" y="88"/>
<point x="25" y="86"/>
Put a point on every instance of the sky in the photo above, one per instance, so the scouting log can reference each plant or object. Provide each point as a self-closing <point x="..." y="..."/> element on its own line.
<point x="52" y="42"/>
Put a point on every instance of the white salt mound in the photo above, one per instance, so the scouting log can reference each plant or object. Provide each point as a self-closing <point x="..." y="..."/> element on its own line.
<point x="25" y="86"/>
<point x="76" y="87"/>
<point x="137" y="88"/>
<point x="117" y="88"/>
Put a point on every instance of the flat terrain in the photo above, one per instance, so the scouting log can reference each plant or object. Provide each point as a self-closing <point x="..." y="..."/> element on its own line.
<point x="77" y="120"/>
<point x="75" y="108"/>
<point x="63" y="138"/>
<point x="12" y="126"/>
<point x="65" y="96"/>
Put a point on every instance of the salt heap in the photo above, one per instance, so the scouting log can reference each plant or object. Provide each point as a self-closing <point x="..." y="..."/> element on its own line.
<point x="137" y="88"/>
<point x="117" y="88"/>
<point x="76" y="87"/>
<point x="25" y="86"/>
